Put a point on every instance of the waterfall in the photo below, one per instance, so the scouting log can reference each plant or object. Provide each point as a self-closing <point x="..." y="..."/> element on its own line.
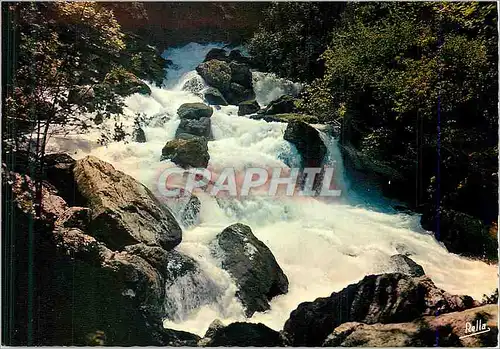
<point x="321" y="246"/>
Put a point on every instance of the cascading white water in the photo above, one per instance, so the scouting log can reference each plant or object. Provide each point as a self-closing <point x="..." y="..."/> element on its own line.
<point x="321" y="246"/>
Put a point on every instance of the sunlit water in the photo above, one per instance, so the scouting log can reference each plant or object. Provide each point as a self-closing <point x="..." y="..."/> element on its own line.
<point x="321" y="246"/>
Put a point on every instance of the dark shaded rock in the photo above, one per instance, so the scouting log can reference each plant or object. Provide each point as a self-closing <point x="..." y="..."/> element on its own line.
<point x="241" y="74"/>
<point x="174" y="338"/>
<point x="186" y="286"/>
<point x="199" y="128"/>
<point x="187" y="153"/>
<point x="382" y="298"/>
<point x="138" y="135"/>
<point x="216" y="74"/>
<point x="238" y="93"/>
<point x="248" y="107"/>
<point x="185" y="136"/>
<point x="216" y="53"/>
<point x="237" y="56"/>
<point x="252" y="265"/>
<point x="75" y="217"/>
<point x="307" y="141"/>
<point x="194" y="111"/>
<point x="405" y="265"/>
<point x="58" y="169"/>
<point x="286" y="118"/>
<point x="461" y="233"/>
<point x="214" y="97"/>
<point x="283" y="105"/>
<point x="124" y="212"/>
<point x="243" y="334"/>
<point x="190" y="212"/>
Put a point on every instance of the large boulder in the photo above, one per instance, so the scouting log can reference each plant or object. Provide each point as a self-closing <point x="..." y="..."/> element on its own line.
<point x="241" y="74"/>
<point x="187" y="153"/>
<point x="199" y="128"/>
<point x="282" y="105"/>
<point x="307" y="141"/>
<point x="237" y="56"/>
<point x="194" y="111"/>
<point x="248" y="107"/>
<point x="186" y="287"/>
<point x="214" y="97"/>
<point x="241" y="334"/>
<point x="216" y="74"/>
<point x="216" y="53"/>
<point x="384" y="298"/>
<point x="443" y="330"/>
<point x="124" y="211"/>
<point x="253" y="266"/>
<point x="238" y="93"/>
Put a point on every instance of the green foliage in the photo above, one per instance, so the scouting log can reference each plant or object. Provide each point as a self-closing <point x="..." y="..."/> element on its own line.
<point x="292" y="36"/>
<point x="390" y="67"/>
<point x="72" y="59"/>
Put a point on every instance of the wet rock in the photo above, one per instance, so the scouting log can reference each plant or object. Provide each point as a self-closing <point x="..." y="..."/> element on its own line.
<point x="248" y="107"/>
<point x="139" y="135"/>
<point x="191" y="211"/>
<point x="283" y="105"/>
<point x="174" y="338"/>
<point x="214" y="97"/>
<point x="238" y="93"/>
<point x="199" y="128"/>
<point x="124" y="211"/>
<point x="187" y="153"/>
<point x="216" y="73"/>
<point x="242" y="334"/>
<point x="286" y="118"/>
<point x="405" y="265"/>
<point x="241" y="74"/>
<point x="250" y="262"/>
<point x="307" y="141"/>
<point x="385" y="298"/>
<point x="194" y="111"/>
<point x="216" y="53"/>
<point x="237" y="56"/>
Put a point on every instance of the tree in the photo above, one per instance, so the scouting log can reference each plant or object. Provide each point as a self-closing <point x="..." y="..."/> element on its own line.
<point x="72" y="60"/>
<point x="292" y="36"/>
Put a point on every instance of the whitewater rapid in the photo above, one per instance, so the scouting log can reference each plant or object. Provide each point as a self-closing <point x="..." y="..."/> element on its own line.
<point x="321" y="246"/>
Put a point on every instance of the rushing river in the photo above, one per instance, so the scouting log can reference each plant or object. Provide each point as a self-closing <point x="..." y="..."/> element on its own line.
<point x="321" y="246"/>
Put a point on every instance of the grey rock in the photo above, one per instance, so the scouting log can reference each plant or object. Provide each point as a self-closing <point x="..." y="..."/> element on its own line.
<point x="194" y="111"/>
<point x="187" y="153"/>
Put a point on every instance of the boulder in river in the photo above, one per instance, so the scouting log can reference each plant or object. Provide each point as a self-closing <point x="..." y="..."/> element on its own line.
<point x="241" y="74"/>
<point x="124" y="211"/>
<point x="214" y="97"/>
<point x="241" y="334"/>
<point x="200" y="128"/>
<point x="194" y="111"/>
<point x="216" y="74"/>
<point x="186" y="153"/>
<point x="238" y="93"/>
<point x="248" y="107"/>
<point x="282" y="105"/>
<point x="384" y="298"/>
<point x="237" y="56"/>
<point x="216" y="53"/>
<point x="307" y="141"/>
<point x="139" y="135"/>
<point x="405" y="265"/>
<point x="250" y="262"/>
